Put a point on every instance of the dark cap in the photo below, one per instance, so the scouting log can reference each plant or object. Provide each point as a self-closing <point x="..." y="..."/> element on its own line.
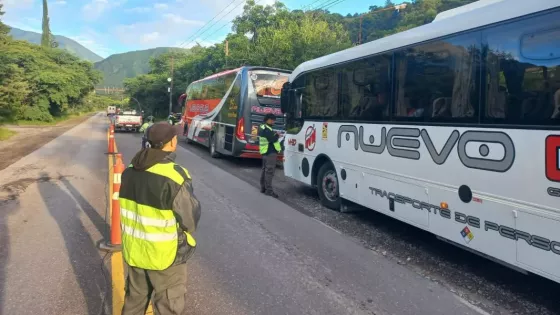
<point x="160" y="133"/>
<point x="269" y="116"/>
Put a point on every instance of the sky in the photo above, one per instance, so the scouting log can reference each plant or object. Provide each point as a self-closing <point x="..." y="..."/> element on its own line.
<point x="115" y="26"/>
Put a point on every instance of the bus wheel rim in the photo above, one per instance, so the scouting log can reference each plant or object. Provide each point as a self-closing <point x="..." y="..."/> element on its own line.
<point x="330" y="186"/>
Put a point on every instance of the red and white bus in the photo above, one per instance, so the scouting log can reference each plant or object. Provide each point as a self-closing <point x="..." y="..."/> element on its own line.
<point x="223" y="111"/>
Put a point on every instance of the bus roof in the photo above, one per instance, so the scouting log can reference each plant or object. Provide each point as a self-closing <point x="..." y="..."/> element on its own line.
<point x="219" y="74"/>
<point x="476" y="14"/>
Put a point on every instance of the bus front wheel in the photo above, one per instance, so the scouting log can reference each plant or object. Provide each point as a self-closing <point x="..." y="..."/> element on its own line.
<point x="327" y="186"/>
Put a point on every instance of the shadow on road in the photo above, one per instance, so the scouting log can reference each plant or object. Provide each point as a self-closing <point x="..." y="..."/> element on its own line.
<point x="100" y="223"/>
<point x="82" y="253"/>
<point x="7" y="207"/>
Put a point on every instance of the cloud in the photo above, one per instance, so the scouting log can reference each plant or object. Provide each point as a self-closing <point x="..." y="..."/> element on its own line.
<point x="168" y="29"/>
<point x="15" y="5"/>
<point x="150" y="37"/>
<point x="94" y="9"/>
<point x="178" y="20"/>
<point x="60" y="2"/>
<point x="161" y="6"/>
<point x="139" y="10"/>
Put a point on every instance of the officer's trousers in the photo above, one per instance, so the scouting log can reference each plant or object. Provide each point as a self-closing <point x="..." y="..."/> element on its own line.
<point x="169" y="289"/>
<point x="267" y="173"/>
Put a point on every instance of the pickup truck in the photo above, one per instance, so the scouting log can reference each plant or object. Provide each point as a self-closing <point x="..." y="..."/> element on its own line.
<point x="128" y="120"/>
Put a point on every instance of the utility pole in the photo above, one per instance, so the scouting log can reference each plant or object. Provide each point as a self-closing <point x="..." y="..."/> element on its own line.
<point x="360" y="34"/>
<point x="227" y="51"/>
<point x="171" y="85"/>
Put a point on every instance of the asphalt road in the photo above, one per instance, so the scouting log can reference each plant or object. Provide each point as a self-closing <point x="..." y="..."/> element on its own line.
<point x="489" y="285"/>
<point x="493" y="287"/>
<point x="258" y="255"/>
<point x="51" y="215"/>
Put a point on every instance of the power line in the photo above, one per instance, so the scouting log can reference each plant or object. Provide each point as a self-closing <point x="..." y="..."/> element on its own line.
<point x="310" y="4"/>
<point x="192" y="35"/>
<point x="327" y="4"/>
<point x="338" y="2"/>
<point x="256" y="2"/>
<point x="219" y="21"/>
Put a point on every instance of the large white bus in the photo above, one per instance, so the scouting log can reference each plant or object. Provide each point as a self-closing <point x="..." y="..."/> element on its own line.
<point x="453" y="127"/>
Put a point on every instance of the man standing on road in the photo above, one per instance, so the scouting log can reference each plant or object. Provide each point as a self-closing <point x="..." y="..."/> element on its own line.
<point x="159" y="213"/>
<point x="269" y="147"/>
<point x="144" y="128"/>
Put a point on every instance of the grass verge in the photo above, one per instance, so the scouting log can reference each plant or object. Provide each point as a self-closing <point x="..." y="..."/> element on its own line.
<point x="54" y="122"/>
<point x="6" y="134"/>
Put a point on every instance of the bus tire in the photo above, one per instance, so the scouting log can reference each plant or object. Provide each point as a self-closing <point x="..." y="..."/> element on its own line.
<point x="213" y="144"/>
<point x="328" y="187"/>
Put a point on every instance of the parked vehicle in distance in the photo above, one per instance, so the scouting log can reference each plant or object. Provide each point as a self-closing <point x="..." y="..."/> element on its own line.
<point x="111" y="110"/>
<point x="128" y="120"/>
<point x="224" y="111"/>
<point x="452" y="127"/>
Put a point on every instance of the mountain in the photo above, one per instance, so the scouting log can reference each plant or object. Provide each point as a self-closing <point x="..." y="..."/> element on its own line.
<point x="63" y="42"/>
<point x="118" y="67"/>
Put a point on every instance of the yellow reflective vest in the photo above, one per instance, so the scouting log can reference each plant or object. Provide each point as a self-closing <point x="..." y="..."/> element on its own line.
<point x="152" y="235"/>
<point x="263" y="141"/>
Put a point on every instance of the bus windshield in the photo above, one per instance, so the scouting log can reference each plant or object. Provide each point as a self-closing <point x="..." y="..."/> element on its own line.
<point x="268" y="84"/>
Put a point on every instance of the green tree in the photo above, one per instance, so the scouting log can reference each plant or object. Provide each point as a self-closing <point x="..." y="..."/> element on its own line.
<point x="4" y="29"/>
<point x="47" y="39"/>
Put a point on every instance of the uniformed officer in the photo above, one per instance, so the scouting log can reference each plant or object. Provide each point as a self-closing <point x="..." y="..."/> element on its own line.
<point x="159" y="213"/>
<point x="144" y="128"/>
<point x="269" y="147"/>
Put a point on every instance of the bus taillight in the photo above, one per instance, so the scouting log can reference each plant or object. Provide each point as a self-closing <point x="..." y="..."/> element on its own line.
<point x="240" y="134"/>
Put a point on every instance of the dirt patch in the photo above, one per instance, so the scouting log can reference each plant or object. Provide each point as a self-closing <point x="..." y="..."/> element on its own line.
<point x="31" y="138"/>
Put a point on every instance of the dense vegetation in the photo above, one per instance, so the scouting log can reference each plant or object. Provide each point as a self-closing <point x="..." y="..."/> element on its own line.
<point x="277" y="37"/>
<point x="63" y="42"/>
<point x="40" y="83"/>
<point x="118" y="67"/>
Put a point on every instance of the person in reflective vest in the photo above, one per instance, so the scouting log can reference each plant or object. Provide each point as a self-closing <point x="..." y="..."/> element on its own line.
<point x="269" y="147"/>
<point x="159" y="214"/>
<point x="144" y="128"/>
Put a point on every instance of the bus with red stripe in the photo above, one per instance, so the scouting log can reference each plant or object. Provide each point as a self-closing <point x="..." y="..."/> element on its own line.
<point x="223" y="111"/>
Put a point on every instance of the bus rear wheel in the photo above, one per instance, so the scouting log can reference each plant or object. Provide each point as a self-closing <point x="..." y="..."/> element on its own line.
<point x="327" y="187"/>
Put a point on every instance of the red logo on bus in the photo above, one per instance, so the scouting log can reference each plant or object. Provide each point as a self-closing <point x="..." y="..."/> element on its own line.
<point x="552" y="158"/>
<point x="310" y="136"/>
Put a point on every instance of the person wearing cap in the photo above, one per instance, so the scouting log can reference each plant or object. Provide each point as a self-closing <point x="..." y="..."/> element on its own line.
<point x="159" y="214"/>
<point x="269" y="147"/>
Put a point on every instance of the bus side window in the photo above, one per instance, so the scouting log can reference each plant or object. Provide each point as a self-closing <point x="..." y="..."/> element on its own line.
<point x="523" y="71"/>
<point x="437" y="81"/>
<point x="365" y="89"/>
<point x="320" y="95"/>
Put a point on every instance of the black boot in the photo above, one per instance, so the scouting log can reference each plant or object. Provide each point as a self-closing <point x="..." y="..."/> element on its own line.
<point x="271" y="194"/>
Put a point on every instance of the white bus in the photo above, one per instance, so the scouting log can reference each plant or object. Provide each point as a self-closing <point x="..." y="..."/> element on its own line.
<point x="453" y="127"/>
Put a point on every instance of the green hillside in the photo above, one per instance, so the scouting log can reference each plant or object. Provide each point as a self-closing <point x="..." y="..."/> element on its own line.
<point x="63" y="42"/>
<point x="118" y="67"/>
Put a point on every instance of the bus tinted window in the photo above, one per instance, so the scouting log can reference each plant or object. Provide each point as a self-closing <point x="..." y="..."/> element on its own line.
<point x="231" y="105"/>
<point x="320" y="95"/>
<point x="365" y="89"/>
<point x="267" y="84"/>
<point x="437" y="81"/>
<point x="523" y="71"/>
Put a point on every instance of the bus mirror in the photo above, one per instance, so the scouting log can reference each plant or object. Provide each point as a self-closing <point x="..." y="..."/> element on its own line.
<point x="284" y="100"/>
